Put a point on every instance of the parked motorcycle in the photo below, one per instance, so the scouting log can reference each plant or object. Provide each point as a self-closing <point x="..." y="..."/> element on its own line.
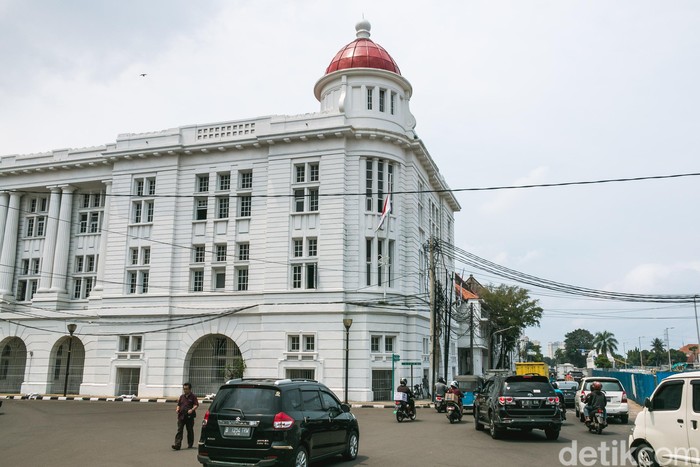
<point x="597" y="421"/>
<point x="440" y="405"/>
<point x="401" y="407"/>
<point x="454" y="410"/>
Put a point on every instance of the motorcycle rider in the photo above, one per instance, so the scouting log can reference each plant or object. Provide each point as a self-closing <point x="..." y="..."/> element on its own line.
<point x="440" y="387"/>
<point x="403" y="387"/>
<point x="454" y="389"/>
<point x="595" y="400"/>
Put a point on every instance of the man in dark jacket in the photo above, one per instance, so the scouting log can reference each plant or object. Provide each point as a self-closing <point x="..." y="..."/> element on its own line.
<point x="595" y="400"/>
<point x="403" y="387"/>
<point x="186" y="406"/>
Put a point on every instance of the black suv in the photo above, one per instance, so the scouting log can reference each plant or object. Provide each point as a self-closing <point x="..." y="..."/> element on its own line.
<point x="523" y="401"/>
<point x="265" y="422"/>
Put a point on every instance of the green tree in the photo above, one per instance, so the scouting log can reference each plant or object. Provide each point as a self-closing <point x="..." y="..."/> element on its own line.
<point x="602" y="361"/>
<point x="577" y="343"/>
<point x="605" y="342"/>
<point x="658" y="351"/>
<point x="510" y="310"/>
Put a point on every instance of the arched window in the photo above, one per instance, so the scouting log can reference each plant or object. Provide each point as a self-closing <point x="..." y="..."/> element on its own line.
<point x="211" y="361"/>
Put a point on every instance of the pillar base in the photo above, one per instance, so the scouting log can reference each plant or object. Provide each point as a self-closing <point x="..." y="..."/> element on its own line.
<point x="51" y="300"/>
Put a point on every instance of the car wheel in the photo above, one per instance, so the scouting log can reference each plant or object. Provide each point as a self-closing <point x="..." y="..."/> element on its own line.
<point x="300" y="458"/>
<point x="577" y="412"/>
<point x="624" y="419"/>
<point x="645" y="457"/>
<point x="551" y="433"/>
<point x="352" y="446"/>
<point x="477" y="424"/>
<point x="494" y="431"/>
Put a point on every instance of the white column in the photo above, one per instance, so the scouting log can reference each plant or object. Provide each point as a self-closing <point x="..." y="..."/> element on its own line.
<point x="50" y="240"/>
<point x="9" y="245"/>
<point x="4" y="201"/>
<point x="60" y="261"/>
<point x="104" y="238"/>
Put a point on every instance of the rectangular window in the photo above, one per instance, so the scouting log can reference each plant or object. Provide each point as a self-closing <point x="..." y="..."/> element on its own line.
<point x="25" y="267"/>
<point x="90" y="263"/>
<point x="197" y="280"/>
<point x="245" y="180"/>
<point x="242" y="279"/>
<point x="79" y="263"/>
<point x="294" y="344"/>
<point x="35" y="265"/>
<point x="393" y="103"/>
<point x="136" y="343"/>
<point x="40" y="222"/>
<point x="219" y="279"/>
<point x="224" y="181"/>
<point x="298" y="248"/>
<point x="30" y="227"/>
<point x="202" y="183"/>
<point x="150" y="207"/>
<point x="369" y="177"/>
<point x="299" y="200"/>
<point x="123" y="343"/>
<point x="133" y="281"/>
<point x="296" y="275"/>
<point x="138" y="185"/>
<point x="199" y="253"/>
<point x="300" y="176"/>
<point x="145" y="275"/>
<point x="221" y="253"/>
<point x="83" y="223"/>
<point x="151" y="182"/>
<point x="382" y="94"/>
<point x="369" y="98"/>
<point x="78" y="287"/>
<point x="368" y="261"/>
<point x="146" y="255"/>
<point x="200" y="209"/>
<point x="388" y="344"/>
<point x="309" y="344"/>
<point x="311" y="276"/>
<point x="134" y="254"/>
<point x="243" y="251"/>
<point x="313" y="172"/>
<point x="245" y="206"/>
<point x="222" y="208"/>
<point x="312" y="250"/>
<point x="313" y="199"/>
<point x="375" y="343"/>
<point x="137" y="211"/>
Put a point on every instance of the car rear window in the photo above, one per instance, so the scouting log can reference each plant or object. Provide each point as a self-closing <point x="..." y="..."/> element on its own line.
<point x="248" y="399"/>
<point x="567" y="384"/>
<point x="537" y="388"/>
<point x="607" y="385"/>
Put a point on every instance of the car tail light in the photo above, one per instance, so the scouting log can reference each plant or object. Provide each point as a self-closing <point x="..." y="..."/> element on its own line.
<point x="282" y="421"/>
<point x="624" y="397"/>
<point x="553" y="401"/>
<point x="583" y="394"/>
<point x="206" y="419"/>
<point x="503" y="400"/>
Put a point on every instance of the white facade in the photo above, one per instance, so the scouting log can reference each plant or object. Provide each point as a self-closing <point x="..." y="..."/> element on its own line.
<point x="179" y="251"/>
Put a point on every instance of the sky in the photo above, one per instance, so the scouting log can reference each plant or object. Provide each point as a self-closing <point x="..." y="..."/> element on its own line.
<point x="504" y="93"/>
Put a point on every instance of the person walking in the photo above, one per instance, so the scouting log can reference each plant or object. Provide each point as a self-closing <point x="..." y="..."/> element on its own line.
<point x="186" y="412"/>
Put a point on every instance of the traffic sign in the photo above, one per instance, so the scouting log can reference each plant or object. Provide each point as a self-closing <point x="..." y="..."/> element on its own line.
<point x="410" y="363"/>
<point x="395" y="358"/>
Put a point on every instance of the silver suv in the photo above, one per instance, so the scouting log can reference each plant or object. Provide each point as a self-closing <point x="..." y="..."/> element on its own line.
<point x="614" y="393"/>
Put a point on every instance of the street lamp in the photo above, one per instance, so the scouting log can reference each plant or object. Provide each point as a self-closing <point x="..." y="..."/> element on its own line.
<point x="641" y="359"/>
<point x="347" y="322"/>
<point x="71" y="329"/>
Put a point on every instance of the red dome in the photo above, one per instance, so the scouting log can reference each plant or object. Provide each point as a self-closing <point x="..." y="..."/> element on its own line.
<point x="363" y="53"/>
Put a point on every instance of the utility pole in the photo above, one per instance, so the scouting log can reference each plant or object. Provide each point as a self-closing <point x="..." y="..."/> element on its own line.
<point x="433" y="308"/>
<point x="471" y="337"/>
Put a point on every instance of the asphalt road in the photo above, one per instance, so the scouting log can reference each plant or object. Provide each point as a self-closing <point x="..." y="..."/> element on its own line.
<point x="81" y="433"/>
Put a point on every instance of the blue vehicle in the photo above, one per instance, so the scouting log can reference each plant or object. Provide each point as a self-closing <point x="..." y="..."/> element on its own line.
<point x="467" y="384"/>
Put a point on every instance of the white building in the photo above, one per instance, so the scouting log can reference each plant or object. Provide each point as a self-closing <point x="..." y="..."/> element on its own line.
<point x="178" y="253"/>
<point x="552" y="348"/>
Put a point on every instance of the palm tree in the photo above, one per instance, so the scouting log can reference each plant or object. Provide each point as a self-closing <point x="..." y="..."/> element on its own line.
<point x="604" y="343"/>
<point x="657" y="348"/>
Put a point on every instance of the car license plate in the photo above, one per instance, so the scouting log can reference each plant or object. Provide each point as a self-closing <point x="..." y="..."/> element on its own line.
<point x="526" y="403"/>
<point x="242" y="431"/>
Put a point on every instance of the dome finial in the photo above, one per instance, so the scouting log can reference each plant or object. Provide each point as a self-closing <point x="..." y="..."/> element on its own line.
<point x="363" y="28"/>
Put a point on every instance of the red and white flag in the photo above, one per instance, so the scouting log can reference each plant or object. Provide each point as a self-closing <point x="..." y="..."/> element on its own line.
<point x="385" y="211"/>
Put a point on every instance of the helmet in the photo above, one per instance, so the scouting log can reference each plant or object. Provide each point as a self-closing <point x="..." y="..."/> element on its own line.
<point x="454" y="384"/>
<point x="441" y="380"/>
<point x="596" y="386"/>
<point x="403" y="381"/>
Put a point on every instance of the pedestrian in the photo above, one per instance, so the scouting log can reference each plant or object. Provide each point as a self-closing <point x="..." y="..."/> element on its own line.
<point x="186" y="412"/>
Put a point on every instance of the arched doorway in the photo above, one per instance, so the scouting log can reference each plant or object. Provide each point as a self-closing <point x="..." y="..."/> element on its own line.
<point x="208" y="361"/>
<point x="59" y="362"/>
<point x="13" y="360"/>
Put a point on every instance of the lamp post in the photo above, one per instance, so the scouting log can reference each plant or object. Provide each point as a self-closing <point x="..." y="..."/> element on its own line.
<point x="71" y="329"/>
<point x="347" y="322"/>
<point x="641" y="359"/>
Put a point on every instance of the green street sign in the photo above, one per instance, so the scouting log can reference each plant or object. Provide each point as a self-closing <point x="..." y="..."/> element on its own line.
<point x="395" y="358"/>
<point x="410" y="363"/>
